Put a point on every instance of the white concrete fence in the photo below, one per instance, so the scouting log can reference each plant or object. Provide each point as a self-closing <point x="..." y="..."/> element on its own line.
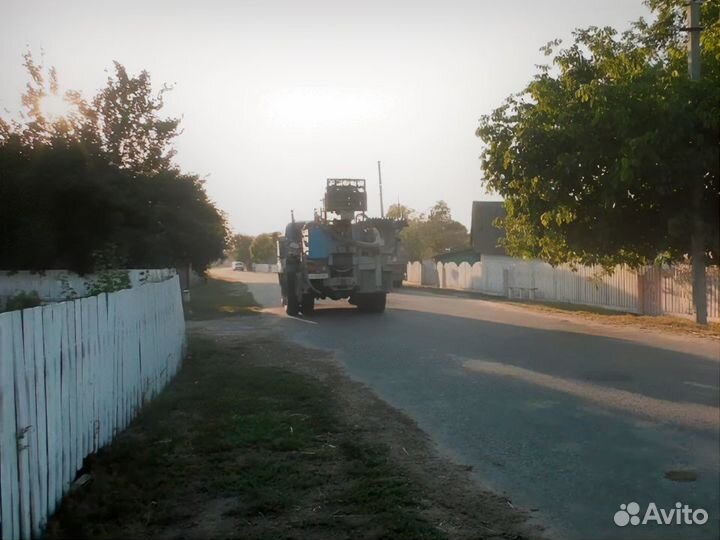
<point x="59" y="285"/>
<point x="72" y="375"/>
<point x="651" y="290"/>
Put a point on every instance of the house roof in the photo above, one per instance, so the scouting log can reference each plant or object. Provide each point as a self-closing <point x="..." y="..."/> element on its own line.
<point x="484" y="236"/>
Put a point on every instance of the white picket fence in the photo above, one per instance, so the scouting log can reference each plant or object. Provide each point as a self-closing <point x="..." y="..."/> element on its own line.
<point x="72" y="375"/>
<point x="651" y="290"/>
<point x="263" y="267"/>
<point x="59" y="285"/>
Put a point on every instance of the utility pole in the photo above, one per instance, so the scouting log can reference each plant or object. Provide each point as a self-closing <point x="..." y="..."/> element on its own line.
<point x="698" y="190"/>
<point x="382" y="209"/>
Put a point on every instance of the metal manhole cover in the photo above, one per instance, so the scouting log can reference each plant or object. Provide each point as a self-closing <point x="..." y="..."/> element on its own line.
<point x="681" y="475"/>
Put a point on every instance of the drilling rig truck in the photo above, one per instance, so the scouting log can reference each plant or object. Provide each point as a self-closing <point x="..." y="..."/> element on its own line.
<point x="340" y="254"/>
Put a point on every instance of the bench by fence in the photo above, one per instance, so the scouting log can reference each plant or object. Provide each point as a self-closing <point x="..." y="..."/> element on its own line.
<point x="521" y="292"/>
<point x="72" y="375"/>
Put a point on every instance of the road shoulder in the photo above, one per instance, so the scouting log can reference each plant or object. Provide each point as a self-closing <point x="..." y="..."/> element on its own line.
<point x="657" y="325"/>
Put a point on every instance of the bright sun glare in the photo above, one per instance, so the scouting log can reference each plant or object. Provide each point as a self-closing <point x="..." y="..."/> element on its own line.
<point x="54" y="106"/>
<point x="314" y="108"/>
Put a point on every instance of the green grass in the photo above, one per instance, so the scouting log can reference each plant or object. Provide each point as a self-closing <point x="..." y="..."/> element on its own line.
<point x="216" y="298"/>
<point x="265" y="444"/>
<point x="675" y="325"/>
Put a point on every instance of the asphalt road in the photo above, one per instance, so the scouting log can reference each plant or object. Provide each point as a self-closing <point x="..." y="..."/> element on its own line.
<point x="569" y="419"/>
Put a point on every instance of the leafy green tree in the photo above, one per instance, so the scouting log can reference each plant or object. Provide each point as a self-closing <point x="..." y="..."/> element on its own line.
<point x="438" y="233"/>
<point x="263" y="249"/>
<point x="415" y="244"/>
<point x="69" y="190"/>
<point x="598" y="156"/>
<point x="58" y="207"/>
<point x="132" y="133"/>
<point x="240" y="248"/>
<point x="400" y="211"/>
<point x="36" y="126"/>
<point x="184" y="225"/>
<point x="440" y="212"/>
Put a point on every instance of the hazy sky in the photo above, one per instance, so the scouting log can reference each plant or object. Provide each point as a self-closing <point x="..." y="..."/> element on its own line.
<point x="277" y="96"/>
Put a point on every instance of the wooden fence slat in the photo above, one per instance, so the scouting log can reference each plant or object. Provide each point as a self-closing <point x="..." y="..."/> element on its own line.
<point x="51" y="354"/>
<point x="101" y="389"/>
<point x="81" y="332"/>
<point x="41" y="404"/>
<point x="49" y="358"/>
<point x="9" y="487"/>
<point x="75" y="403"/>
<point x="67" y="374"/>
<point x="31" y="436"/>
<point x="113" y="363"/>
<point x="55" y="406"/>
<point x="122" y="352"/>
<point x="23" y="423"/>
<point x="92" y="372"/>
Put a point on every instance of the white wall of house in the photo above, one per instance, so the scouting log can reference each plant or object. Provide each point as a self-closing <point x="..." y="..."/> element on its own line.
<point x="59" y="285"/>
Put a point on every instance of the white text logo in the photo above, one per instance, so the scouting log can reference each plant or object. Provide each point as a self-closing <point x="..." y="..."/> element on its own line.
<point x="682" y="514"/>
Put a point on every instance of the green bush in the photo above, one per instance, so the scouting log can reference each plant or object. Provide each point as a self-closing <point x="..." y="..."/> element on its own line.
<point x="22" y="300"/>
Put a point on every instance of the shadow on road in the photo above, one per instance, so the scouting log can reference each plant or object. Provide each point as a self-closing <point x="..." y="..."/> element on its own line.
<point x="600" y="360"/>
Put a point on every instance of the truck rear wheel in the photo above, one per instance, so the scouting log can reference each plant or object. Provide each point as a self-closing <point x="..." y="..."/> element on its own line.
<point x="371" y="303"/>
<point x="292" y="307"/>
<point x="308" y="304"/>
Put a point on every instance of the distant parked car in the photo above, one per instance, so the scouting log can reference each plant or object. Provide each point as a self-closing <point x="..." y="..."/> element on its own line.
<point x="238" y="266"/>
